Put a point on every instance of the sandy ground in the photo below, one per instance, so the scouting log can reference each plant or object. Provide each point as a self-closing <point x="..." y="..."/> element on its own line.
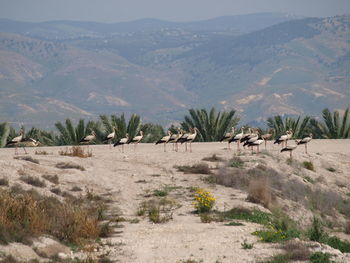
<point x="131" y="177"/>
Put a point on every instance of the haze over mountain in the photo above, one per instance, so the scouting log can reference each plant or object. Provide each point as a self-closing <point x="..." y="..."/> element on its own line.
<point x="261" y="65"/>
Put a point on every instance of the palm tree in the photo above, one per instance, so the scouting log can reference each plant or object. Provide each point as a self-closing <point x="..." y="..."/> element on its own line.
<point x="4" y="133"/>
<point x="333" y="126"/>
<point x="299" y="126"/>
<point x="44" y="137"/>
<point x="70" y="135"/>
<point x="153" y="132"/>
<point x="211" y="125"/>
<point x="132" y="128"/>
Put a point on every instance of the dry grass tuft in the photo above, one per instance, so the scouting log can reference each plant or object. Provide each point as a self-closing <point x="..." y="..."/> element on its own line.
<point x="4" y="181"/>
<point x="158" y="210"/>
<point x="42" y="153"/>
<point x="76" y="151"/>
<point x="27" y="215"/>
<point x="56" y="191"/>
<point x="259" y="192"/>
<point x="213" y="158"/>
<point x="199" y="168"/>
<point x="296" y="251"/>
<point x="65" y="165"/>
<point x="27" y="158"/>
<point x="51" y="178"/>
<point x="32" y="181"/>
<point x="76" y="189"/>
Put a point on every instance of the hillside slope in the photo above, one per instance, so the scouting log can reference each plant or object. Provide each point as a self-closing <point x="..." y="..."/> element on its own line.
<point x="295" y="67"/>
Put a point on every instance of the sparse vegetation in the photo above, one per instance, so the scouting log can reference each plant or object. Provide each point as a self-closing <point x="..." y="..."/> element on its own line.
<point x="246" y="245"/>
<point x="64" y="165"/>
<point x="27" y="158"/>
<point x="316" y="233"/>
<point x="56" y="191"/>
<point x="42" y="153"/>
<point x="4" y="181"/>
<point x="199" y="168"/>
<point x="51" y="178"/>
<point x="296" y="251"/>
<point x="236" y="162"/>
<point x="76" y="151"/>
<point x="213" y="158"/>
<point x="331" y="169"/>
<point x="309" y="165"/>
<point x="32" y="180"/>
<point x="158" y="210"/>
<point x="76" y="189"/>
<point x="320" y="257"/>
<point x="259" y="192"/>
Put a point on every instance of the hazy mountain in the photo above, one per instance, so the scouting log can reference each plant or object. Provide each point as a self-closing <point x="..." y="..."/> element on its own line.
<point x="73" y="29"/>
<point x="294" y="67"/>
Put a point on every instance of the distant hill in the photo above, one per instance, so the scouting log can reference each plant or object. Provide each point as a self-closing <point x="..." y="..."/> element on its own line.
<point x="261" y="65"/>
<point x="72" y="29"/>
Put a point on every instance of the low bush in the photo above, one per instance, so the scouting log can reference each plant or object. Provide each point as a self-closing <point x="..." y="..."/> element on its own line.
<point x="213" y="158"/>
<point x="296" y="251"/>
<point x="4" y="181"/>
<point x="254" y="216"/>
<point x="51" y="178"/>
<point x="32" y="181"/>
<point x="236" y="162"/>
<point x="199" y="168"/>
<point x="320" y="257"/>
<point x="64" y="165"/>
<point x="309" y="165"/>
<point x="159" y="210"/>
<point x="27" y="215"/>
<point x="27" y="158"/>
<point x="76" y="151"/>
<point x="259" y="192"/>
<point x="316" y="233"/>
<point x="246" y="245"/>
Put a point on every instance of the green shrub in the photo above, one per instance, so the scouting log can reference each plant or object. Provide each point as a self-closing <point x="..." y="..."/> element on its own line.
<point x="236" y="162"/>
<point x="246" y="245"/>
<point x="255" y="216"/>
<point x="316" y="232"/>
<point x="309" y="165"/>
<point x="282" y="258"/>
<point x="320" y="257"/>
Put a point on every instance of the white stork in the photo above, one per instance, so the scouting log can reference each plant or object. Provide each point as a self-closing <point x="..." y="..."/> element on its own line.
<point x="290" y="149"/>
<point x="305" y="141"/>
<point x="110" y="137"/>
<point x="283" y="138"/>
<point x="256" y="143"/>
<point x="88" y="139"/>
<point x="164" y="140"/>
<point x="237" y="138"/>
<point x="122" y="141"/>
<point x="183" y="138"/>
<point x="228" y="136"/>
<point x="16" y="141"/>
<point x="136" y="139"/>
<point x="191" y="138"/>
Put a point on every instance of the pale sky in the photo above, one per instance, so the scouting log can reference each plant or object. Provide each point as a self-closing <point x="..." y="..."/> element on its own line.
<point x="173" y="10"/>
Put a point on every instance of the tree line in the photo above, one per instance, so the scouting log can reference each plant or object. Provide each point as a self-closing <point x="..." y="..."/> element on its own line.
<point x="211" y="124"/>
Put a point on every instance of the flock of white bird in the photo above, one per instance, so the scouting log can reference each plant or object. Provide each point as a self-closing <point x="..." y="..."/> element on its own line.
<point x="249" y="137"/>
